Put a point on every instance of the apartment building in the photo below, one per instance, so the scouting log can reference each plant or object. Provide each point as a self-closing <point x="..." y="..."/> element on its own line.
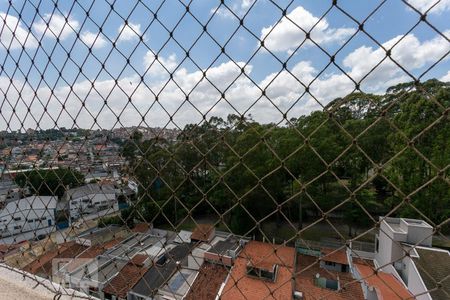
<point x="28" y="214"/>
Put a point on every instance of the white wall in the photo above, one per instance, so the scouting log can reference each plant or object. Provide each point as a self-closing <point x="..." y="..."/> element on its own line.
<point x="27" y="214"/>
<point x="90" y="204"/>
<point x="415" y="283"/>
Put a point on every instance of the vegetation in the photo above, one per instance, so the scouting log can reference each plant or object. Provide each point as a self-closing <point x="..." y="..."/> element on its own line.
<point x="358" y="159"/>
<point x="51" y="182"/>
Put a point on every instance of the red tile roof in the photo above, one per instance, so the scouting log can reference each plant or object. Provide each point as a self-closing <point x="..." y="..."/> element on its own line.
<point x="139" y="259"/>
<point x="98" y="249"/>
<point x="333" y="255"/>
<point x="309" y="266"/>
<point x="202" y="232"/>
<point x="125" y="280"/>
<point x="208" y="282"/>
<point x="386" y="285"/>
<point x="69" y="253"/>
<point x="37" y="265"/>
<point x="241" y="286"/>
<point x="141" y="227"/>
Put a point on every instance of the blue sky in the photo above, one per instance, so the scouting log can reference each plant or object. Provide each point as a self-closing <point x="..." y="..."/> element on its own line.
<point x="123" y="82"/>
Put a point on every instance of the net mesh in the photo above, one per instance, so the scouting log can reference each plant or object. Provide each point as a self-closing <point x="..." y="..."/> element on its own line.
<point x="251" y="149"/>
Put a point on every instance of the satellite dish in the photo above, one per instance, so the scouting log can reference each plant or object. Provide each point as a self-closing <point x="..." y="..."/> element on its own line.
<point x="317" y="275"/>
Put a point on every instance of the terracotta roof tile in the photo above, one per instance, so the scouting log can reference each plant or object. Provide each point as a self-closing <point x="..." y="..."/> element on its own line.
<point x="139" y="259"/>
<point x="98" y="249"/>
<point x="125" y="280"/>
<point x="202" y="232"/>
<point x="387" y="286"/>
<point x="332" y="255"/>
<point x="141" y="227"/>
<point x="241" y="286"/>
<point x="208" y="282"/>
<point x="308" y="267"/>
<point x="37" y="265"/>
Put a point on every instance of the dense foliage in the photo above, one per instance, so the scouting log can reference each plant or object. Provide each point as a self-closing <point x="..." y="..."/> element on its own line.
<point x="361" y="157"/>
<point x="50" y="182"/>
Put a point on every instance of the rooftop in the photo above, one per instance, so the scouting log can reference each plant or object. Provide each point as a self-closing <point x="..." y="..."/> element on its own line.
<point x="241" y="286"/>
<point x="92" y="188"/>
<point x="37" y="265"/>
<point x="434" y="266"/>
<point x="307" y="269"/>
<point x="162" y="271"/>
<point x="223" y="246"/>
<point x="202" y="232"/>
<point x="333" y="255"/>
<point x="208" y="282"/>
<point x="179" y="284"/>
<point x="386" y="285"/>
<point x="141" y="227"/>
<point x="125" y="280"/>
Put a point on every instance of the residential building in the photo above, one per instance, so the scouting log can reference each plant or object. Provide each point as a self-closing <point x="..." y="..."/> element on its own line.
<point x="203" y="233"/>
<point x="129" y="275"/>
<point x="162" y="270"/>
<point x="261" y="271"/>
<point x="90" y="199"/>
<point x="28" y="215"/>
<point x="324" y="273"/>
<point x="224" y="251"/>
<point x="404" y="249"/>
<point x="208" y="282"/>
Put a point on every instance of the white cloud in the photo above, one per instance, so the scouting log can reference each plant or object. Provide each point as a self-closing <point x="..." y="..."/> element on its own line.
<point x="92" y="40"/>
<point x="129" y="32"/>
<point x="284" y="89"/>
<point x="239" y="8"/>
<point x="408" y="52"/>
<point x="289" y="33"/>
<point x="21" y="37"/>
<point x="446" y="77"/>
<point x="56" y="25"/>
<point x="160" y="67"/>
<point x="424" y="5"/>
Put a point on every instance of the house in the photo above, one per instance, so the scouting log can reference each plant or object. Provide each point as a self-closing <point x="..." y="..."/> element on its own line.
<point x="261" y="271"/>
<point x="404" y="249"/>
<point x="46" y="265"/>
<point x="129" y="275"/>
<point x="92" y="271"/>
<point x="224" y="251"/>
<point x="28" y="215"/>
<point x="90" y="199"/>
<point x="203" y="233"/>
<point x="178" y="285"/>
<point x="380" y="285"/>
<point x="324" y="273"/>
<point x="208" y="282"/>
<point x="162" y="270"/>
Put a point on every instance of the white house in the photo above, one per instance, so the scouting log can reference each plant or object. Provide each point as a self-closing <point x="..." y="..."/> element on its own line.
<point x="404" y="249"/>
<point x="27" y="214"/>
<point x="89" y="199"/>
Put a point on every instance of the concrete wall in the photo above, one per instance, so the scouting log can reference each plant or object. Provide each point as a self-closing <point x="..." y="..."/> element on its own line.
<point x="215" y="258"/>
<point x="415" y="283"/>
<point x="389" y="248"/>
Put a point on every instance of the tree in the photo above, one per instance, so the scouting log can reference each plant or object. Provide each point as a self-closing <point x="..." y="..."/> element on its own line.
<point x="53" y="182"/>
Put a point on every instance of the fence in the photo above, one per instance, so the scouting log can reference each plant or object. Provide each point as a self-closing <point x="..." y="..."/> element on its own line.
<point x="187" y="149"/>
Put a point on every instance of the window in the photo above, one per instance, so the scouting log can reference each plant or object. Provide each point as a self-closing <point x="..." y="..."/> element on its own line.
<point x="17" y="219"/>
<point x="17" y="227"/>
<point x="330" y="263"/>
<point x="30" y="221"/>
<point x="262" y="273"/>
